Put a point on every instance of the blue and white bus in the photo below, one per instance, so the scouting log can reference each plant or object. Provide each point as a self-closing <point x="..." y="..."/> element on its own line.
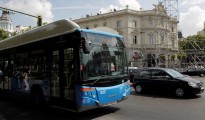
<point x="64" y="66"/>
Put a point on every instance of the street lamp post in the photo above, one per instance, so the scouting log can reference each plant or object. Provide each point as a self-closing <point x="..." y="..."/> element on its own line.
<point x="39" y="18"/>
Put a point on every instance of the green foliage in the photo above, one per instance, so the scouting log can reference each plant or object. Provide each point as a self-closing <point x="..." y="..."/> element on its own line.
<point x="29" y="28"/>
<point x="3" y="34"/>
<point x="15" y="33"/>
<point x="181" y="55"/>
<point x="196" y="42"/>
<point x="196" y="37"/>
<point x="190" y="44"/>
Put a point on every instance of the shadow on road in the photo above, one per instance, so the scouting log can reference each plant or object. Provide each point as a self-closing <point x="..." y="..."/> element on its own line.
<point x="18" y="110"/>
<point x="163" y="95"/>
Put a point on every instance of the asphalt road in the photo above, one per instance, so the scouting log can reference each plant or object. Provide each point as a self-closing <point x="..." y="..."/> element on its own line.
<point x="137" y="107"/>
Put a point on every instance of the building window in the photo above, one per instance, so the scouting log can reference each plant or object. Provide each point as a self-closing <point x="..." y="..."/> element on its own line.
<point x="150" y="39"/>
<point x="172" y="29"/>
<point x="134" y="23"/>
<point x="150" y="22"/>
<point x="162" y="35"/>
<point x="135" y="39"/>
<point x="118" y="24"/>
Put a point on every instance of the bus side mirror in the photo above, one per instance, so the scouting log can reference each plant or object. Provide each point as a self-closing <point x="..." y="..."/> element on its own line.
<point x="86" y="44"/>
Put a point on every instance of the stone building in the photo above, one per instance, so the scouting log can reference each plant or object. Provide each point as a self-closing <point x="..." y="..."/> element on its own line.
<point x="21" y="28"/>
<point x="151" y="36"/>
<point x="6" y="23"/>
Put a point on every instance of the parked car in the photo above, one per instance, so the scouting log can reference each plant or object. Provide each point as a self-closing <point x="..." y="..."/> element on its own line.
<point x="194" y="72"/>
<point x="168" y="81"/>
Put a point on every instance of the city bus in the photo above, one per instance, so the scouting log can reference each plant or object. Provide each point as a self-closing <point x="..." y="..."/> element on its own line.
<point x="64" y="66"/>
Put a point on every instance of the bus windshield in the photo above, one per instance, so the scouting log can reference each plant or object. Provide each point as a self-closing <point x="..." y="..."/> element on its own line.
<point x="106" y="57"/>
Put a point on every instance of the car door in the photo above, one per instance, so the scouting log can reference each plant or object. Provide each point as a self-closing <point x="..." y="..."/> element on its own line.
<point x="145" y="80"/>
<point x="159" y="80"/>
<point x="163" y="81"/>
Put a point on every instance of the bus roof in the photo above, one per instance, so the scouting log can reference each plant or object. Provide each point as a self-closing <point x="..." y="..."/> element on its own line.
<point x="101" y="31"/>
<point x="50" y="30"/>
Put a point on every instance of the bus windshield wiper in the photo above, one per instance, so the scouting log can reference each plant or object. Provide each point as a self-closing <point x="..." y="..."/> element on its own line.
<point x="97" y="80"/>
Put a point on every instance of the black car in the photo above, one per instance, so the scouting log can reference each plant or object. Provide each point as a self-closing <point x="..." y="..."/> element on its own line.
<point x="166" y="80"/>
<point x="194" y="72"/>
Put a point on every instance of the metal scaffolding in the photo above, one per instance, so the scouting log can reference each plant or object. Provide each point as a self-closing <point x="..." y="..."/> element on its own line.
<point x="172" y="7"/>
<point x="164" y="54"/>
<point x="194" y="53"/>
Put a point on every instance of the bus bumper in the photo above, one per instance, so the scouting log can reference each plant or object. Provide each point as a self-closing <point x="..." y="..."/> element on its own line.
<point x="90" y="99"/>
<point x="98" y="105"/>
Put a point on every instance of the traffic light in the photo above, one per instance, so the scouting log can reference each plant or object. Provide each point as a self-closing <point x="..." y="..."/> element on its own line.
<point x="39" y="21"/>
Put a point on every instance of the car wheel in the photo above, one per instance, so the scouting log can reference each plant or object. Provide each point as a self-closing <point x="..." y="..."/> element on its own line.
<point x="202" y="75"/>
<point x="179" y="92"/>
<point x="138" y="88"/>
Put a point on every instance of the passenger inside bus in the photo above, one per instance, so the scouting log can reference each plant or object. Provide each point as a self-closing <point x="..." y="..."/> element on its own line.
<point x="25" y="79"/>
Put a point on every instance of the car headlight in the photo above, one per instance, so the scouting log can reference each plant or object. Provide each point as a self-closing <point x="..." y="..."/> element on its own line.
<point x="194" y="85"/>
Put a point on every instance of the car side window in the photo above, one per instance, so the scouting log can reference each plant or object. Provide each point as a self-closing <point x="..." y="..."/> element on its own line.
<point x="159" y="74"/>
<point x="145" y="74"/>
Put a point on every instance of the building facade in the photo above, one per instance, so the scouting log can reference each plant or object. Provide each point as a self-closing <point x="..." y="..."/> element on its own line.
<point x="6" y="23"/>
<point x="151" y="36"/>
<point x="20" y="29"/>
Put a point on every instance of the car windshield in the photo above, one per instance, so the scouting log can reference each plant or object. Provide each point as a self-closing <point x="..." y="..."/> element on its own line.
<point x="174" y="73"/>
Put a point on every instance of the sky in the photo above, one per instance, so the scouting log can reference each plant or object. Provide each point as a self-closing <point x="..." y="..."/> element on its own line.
<point x="191" y="12"/>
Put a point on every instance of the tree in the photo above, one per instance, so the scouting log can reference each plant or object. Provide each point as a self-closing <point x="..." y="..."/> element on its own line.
<point x="3" y="34"/>
<point x="196" y="37"/>
<point x="192" y="42"/>
<point x="192" y="50"/>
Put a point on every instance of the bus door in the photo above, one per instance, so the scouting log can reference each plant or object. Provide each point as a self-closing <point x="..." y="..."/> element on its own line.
<point x="62" y="87"/>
